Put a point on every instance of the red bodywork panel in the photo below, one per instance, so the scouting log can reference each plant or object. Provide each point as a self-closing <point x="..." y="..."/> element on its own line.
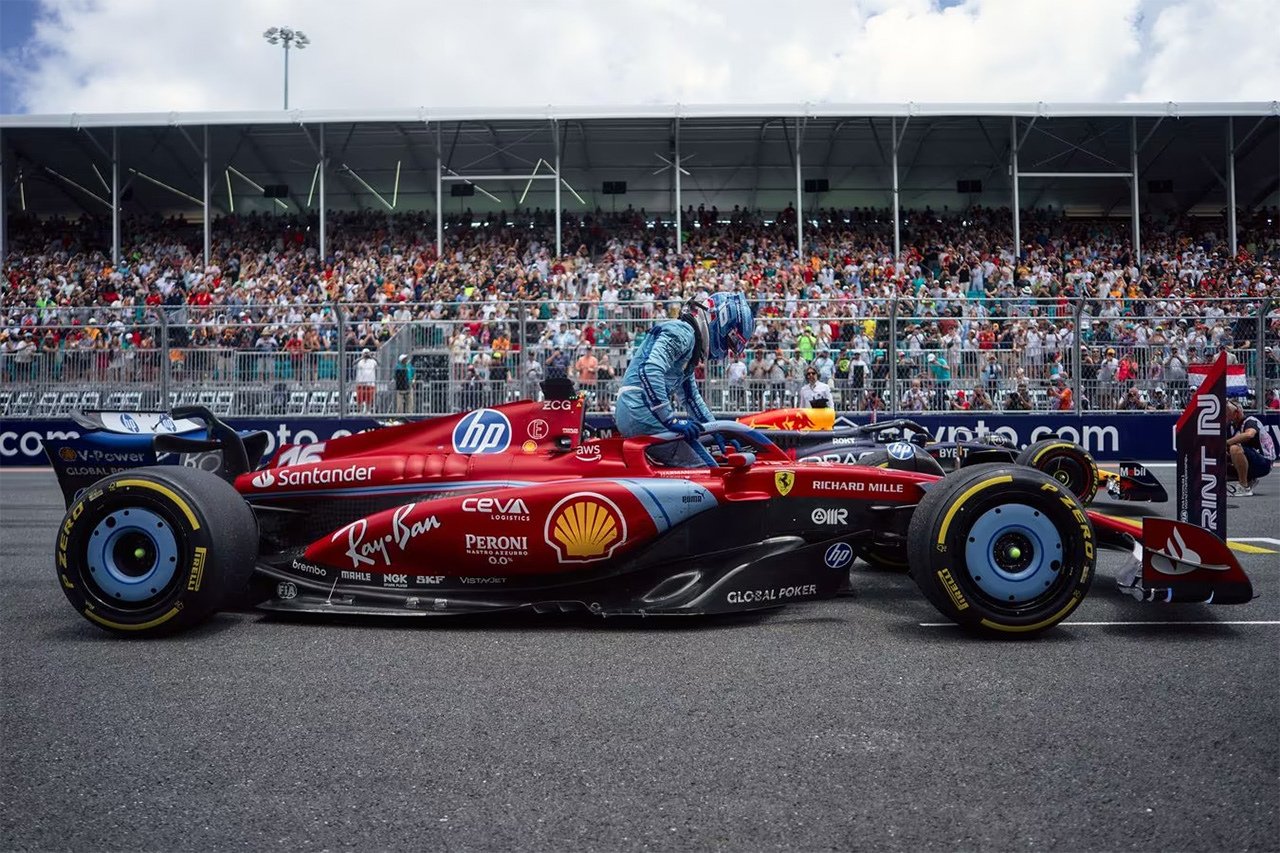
<point x="518" y="495"/>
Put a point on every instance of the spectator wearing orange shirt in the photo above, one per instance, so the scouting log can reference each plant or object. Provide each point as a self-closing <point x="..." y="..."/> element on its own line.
<point x="587" y="366"/>
<point x="1061" y="394"/>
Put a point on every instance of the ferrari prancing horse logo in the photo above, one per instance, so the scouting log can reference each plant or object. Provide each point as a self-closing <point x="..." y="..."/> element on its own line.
<point x="784" y="480"/>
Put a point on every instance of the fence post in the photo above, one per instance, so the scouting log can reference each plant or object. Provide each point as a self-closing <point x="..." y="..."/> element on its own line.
<point x="518" y="369"/>
<point x="1260" y="393"/>
<point x="893" y="356"/>
<point x="340" y="318"/>
<point x="1077" y="358"/>
<point x="165" y="360"/>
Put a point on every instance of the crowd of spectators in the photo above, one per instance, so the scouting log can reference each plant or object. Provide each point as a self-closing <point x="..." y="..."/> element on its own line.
<point x="958" y="322"/>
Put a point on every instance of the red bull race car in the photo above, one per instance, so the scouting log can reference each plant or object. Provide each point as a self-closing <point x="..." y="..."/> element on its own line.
<point x="510" y="509"/>
<point x="813" y="434"/>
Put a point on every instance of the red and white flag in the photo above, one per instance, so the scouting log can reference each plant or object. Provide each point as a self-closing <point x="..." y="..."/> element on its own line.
<point x="1237" y="384"/>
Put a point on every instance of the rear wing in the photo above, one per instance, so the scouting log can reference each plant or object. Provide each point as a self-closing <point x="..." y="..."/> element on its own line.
<point x="110" y="442"/>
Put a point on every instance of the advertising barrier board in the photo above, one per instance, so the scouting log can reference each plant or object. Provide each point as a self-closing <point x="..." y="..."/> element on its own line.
<point x="1147" y="436"/>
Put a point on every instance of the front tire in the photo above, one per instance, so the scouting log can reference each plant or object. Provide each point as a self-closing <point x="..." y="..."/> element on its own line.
<point x="1068" y="463"/>
<point x="1002" y="550"/>
<point x="155" y="550"/>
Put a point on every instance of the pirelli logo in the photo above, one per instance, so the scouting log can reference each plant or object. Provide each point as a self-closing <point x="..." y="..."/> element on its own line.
<point x="197" y="569"/>
<point x="953" y="589"/>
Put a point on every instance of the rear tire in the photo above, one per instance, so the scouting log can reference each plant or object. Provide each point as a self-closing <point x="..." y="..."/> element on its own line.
<point x="1002" y="550"/>
<point x="1068" y="463"/>
<point x="155" y="550"/>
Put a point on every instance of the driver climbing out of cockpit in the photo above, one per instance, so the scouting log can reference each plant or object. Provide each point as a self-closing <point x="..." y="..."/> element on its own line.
<point x="709" y="327"/>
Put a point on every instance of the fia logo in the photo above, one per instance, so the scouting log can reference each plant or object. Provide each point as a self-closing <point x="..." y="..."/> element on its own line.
<point x="482" y="431"/>
<point x="838" y="555"/>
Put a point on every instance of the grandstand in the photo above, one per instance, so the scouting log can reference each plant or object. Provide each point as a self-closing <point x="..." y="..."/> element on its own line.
<point x="248" y="259"/>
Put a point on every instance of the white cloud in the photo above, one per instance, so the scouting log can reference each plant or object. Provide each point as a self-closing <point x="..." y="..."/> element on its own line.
<point x="160" y="55"/>
<point x="1211" y="51"/>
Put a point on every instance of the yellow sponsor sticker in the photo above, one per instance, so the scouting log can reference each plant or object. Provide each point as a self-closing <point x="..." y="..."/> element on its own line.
<point x="783" y="481"/>
<point x="197" y="569"/>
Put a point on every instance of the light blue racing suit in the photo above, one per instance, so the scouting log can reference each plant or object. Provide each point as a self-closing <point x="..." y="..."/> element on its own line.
<point x="660" y="370"/>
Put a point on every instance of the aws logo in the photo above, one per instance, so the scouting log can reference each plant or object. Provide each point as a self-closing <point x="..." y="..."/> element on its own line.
<point x="585" y="527"/>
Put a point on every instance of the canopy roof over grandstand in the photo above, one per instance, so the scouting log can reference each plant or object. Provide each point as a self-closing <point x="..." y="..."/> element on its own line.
<point x="1078" y="157"/>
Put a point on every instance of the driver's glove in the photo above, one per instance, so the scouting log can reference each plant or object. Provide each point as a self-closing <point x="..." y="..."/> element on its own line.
<point x="688" y="429"/>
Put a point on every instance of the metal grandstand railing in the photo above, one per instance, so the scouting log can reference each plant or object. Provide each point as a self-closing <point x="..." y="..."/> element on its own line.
<point x="928" y="354"/>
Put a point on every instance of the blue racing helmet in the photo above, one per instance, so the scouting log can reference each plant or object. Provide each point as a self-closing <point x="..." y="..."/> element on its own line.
<point x="731" y="324"/>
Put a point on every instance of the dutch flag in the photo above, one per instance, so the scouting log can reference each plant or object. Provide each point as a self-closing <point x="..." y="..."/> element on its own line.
<point x="1237" y="384"/>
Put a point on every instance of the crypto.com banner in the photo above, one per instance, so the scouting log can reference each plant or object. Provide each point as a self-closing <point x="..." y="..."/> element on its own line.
<point x="1146" y="436"/>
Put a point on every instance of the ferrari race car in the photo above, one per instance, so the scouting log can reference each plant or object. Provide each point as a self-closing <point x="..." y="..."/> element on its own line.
<point x="813" y="435"/>
<point x="510" y="509"/>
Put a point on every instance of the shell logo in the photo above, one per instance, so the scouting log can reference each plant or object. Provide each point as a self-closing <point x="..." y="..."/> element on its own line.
<point x="67" y="454"/>
<point x="585" y="527"/>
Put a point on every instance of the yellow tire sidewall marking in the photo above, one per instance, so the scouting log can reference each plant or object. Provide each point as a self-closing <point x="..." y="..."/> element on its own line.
<point x="168" y="493"/>
<point x="964" y="498"/>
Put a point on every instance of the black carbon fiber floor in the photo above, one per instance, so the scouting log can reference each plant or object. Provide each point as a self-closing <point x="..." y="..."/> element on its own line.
<point x="840" y="725"/>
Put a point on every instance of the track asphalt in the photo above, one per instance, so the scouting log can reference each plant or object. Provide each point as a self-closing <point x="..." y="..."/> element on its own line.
<point x="854" y="723"/>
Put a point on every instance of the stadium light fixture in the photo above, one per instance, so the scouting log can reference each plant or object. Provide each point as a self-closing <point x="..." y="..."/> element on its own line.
<point x="288" y="37"/>
<point x="251" y="182"/>
<point x="315" y="176"/>
<point x="575" y="192"/>
<point x="165" y="186"/>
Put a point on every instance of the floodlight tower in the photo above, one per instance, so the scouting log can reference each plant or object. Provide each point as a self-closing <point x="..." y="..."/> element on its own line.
<point x="289" y="37"/>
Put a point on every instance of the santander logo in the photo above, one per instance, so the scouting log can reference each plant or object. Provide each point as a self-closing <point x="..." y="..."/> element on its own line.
<point x="314" y="476"/>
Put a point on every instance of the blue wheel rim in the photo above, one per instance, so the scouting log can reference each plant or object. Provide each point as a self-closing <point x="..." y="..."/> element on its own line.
<point x="1014" y="554"/>
<point x="132" y="555"/>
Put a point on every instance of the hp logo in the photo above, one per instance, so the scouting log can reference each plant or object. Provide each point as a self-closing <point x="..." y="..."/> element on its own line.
<point x="901" y="450"/>
<point x="838" y="555"/>
<point x="482" y="431"/>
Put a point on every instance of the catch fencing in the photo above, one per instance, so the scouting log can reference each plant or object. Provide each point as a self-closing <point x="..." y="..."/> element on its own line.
<point x="889" y="356"/>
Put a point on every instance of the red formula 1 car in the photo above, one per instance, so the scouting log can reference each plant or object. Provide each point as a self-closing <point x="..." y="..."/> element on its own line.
<point x="507" y="508"/>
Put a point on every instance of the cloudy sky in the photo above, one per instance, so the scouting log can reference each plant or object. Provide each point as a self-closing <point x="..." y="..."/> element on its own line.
<point x="60" y="56"/>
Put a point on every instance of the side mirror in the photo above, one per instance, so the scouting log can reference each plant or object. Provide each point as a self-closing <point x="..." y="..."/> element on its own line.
<point x="740" y="460"/>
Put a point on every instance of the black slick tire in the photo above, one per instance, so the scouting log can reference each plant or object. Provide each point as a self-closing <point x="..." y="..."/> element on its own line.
<point x="1002" y="550"/>
<point x="155" y="550"/>
<point x="1068" y="463"/>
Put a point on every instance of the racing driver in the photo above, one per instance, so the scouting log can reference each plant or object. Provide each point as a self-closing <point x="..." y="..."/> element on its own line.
<point x="710" y="326"/>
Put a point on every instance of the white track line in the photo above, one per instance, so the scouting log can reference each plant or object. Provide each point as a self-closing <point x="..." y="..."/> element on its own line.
<point x="1115" y="624"/>
<point x="1255" y="539"/>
